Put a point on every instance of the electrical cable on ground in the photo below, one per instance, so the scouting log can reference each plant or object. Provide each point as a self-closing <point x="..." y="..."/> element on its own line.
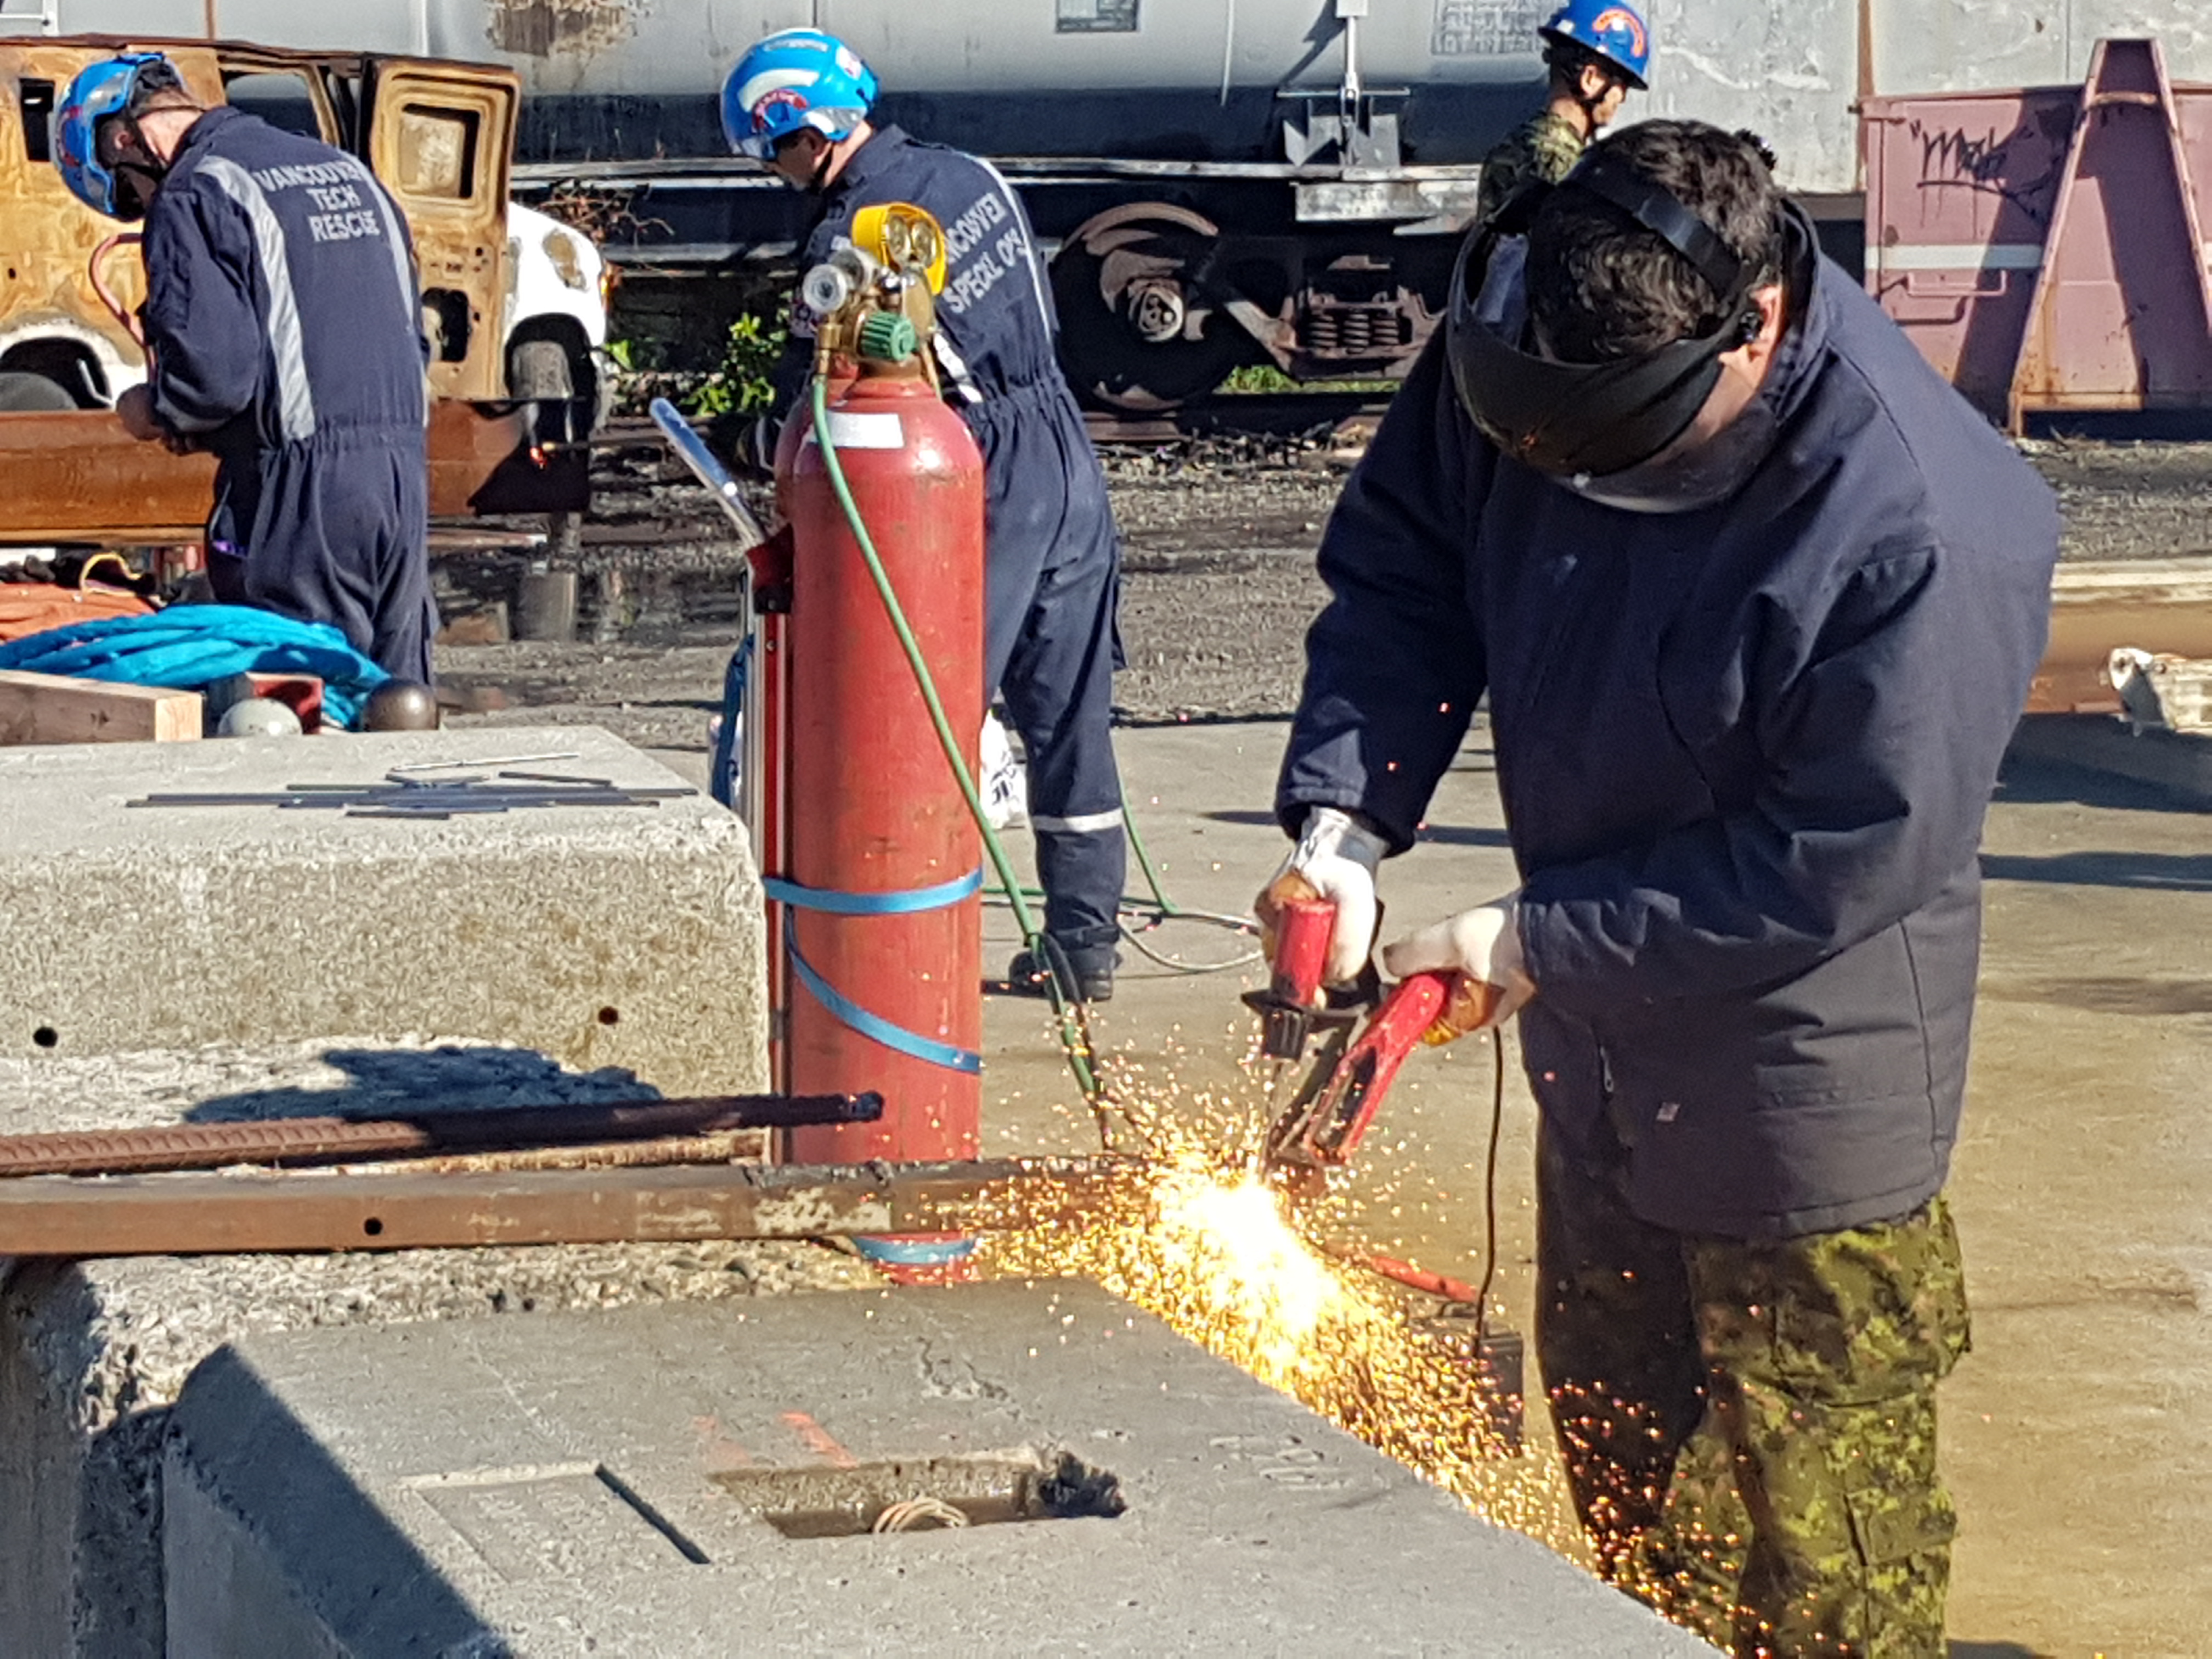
<point x="913" y="1513"/>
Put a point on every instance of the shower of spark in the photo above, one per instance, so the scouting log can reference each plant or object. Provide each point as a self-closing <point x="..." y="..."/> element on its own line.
<point x="1204" y="1244"/>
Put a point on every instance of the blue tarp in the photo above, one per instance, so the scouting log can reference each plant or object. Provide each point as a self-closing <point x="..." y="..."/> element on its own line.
<point x="191" y="646"/>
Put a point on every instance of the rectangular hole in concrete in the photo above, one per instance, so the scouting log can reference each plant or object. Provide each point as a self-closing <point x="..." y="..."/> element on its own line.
<point x="925" y="1494"/>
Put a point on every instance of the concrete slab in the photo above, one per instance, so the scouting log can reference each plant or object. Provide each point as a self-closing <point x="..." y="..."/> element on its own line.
<point x="685" y="1482"/>
<point x="93" y="1354"/>
<point x="631" y="937"/>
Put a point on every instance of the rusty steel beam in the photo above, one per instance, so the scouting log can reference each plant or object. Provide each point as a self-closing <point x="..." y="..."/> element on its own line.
<point x="76" y="476"/>
<point x="231" y="1214"/>
<point x="298" y="1140"/>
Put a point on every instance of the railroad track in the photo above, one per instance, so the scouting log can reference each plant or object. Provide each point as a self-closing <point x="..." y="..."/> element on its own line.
<point x="1259" y="414"/>
<point x="1251" y="414"/>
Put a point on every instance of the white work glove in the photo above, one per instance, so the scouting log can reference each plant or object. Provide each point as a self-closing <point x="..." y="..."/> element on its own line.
<point x="1483" y="943"/>
<point x="1335" y="861"/>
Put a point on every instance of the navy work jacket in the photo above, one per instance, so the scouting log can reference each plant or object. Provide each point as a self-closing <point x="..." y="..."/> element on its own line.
<point x="281" y="304"/>
<point x="1744" y="754"/>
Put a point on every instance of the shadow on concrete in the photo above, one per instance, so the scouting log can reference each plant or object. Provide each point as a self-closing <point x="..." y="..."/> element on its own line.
<point x="335" y="1552"/>
<point x="2172" y="872"/>
<point x="1454" y="834"/>
<point x="1131" y="720"/>
<point x="2112" y="996"/>
<point x="394" y="1082"/>
<point x="2032" y="780"/>
<point x="1995" y="1650"/>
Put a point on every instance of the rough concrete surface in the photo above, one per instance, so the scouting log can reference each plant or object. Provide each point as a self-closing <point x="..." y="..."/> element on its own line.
<point x="567" y="1486"/>
<point x="623" y="936"/>
<point x="93" y="1354"/>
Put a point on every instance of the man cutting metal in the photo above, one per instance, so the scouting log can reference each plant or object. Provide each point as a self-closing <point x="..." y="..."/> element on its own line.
<point x="1755" y="599"/>
<point x="283" y="335"/>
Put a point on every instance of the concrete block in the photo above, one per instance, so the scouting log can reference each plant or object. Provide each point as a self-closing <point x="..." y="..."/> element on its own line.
<point x="93" y="1354"/>
<point x="686" y="1481"/>
<point x="622" y="936"/>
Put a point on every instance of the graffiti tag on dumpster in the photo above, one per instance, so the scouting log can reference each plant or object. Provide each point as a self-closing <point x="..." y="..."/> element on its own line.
<point x="2021" y="167"/>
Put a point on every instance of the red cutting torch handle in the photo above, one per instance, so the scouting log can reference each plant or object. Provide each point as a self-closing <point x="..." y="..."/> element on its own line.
<point x="1302" y="934"/>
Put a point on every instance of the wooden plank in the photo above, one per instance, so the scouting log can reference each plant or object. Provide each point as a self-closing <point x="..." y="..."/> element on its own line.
<point x="37" y="708"/>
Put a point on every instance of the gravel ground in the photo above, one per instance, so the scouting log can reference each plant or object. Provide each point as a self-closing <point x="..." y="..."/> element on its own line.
<point x="1218" y="588"/>
<point x="2149" y="501"/>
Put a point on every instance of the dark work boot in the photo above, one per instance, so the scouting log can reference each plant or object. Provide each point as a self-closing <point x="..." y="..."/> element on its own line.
<point x="1085" y="973"/>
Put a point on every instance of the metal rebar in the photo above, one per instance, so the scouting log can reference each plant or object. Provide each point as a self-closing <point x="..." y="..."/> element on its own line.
<point x="312" y="1140"/>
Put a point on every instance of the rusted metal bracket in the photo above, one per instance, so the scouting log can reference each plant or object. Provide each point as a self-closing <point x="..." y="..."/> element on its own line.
<point x="231" y="1214"/>
<point x="300" y="1141"/>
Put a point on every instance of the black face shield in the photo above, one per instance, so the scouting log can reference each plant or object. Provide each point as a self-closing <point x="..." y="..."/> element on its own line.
<point x="1585" y="421"/>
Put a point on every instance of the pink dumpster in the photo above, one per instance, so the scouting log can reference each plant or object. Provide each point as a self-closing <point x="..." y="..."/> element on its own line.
<point x="2044" y="247"/>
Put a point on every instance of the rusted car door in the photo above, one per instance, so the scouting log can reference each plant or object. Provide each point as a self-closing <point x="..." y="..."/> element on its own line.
<point x="440" y="137"/>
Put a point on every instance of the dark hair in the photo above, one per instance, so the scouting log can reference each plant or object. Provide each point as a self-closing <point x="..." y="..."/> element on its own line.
<point x="1566" y="60"/>
<point x="1601" y="286"/>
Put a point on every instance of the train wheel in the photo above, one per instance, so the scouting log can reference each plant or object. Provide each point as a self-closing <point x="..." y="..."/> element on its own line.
<point x="1128" y="283"/>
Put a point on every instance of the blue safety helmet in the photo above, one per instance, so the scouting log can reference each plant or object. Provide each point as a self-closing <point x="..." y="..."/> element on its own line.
<point x="796" y="79"/>
<point x="114" y="86"/>
<point x="1613" y="34"/>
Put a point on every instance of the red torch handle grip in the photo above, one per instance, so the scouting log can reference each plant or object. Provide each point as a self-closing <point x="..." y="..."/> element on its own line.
<point x="1302" y="936"/>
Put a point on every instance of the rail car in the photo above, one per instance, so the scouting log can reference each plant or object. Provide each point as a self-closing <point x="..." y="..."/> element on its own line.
<point x="1221" y="181"/>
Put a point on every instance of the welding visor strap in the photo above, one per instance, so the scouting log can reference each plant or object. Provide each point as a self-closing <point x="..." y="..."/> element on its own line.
<point x="1616" y="183"/>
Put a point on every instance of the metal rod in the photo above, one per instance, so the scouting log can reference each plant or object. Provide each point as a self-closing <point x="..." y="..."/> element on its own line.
<point x="488" y="760"/>
<point x="231" y="1214"/>
<point x="309" y="1139"/>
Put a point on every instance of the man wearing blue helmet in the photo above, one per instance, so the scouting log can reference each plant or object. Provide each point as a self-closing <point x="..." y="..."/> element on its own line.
<point x="1595" y="53"/>
<point x="798" y="103"/>
<point x="283" y="335"/>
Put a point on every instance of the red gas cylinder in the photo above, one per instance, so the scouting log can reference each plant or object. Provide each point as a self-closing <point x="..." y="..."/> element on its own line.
<point x="878" y="906"/>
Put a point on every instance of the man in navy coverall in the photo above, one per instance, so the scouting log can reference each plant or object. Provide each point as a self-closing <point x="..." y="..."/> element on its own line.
<point x="1755" y="599"/>
<point x="283" y="334"/>
<point x="798" y="102"/>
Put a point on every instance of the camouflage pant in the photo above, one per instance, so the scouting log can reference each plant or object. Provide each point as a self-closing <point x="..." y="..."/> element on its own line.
<point x="1750" y="1428"/>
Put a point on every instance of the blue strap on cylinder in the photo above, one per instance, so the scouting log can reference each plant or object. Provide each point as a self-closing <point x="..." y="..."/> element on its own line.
<point x="897" y="1038"/>
<point x="832" y="902"/>
<point x="915" y="1252"/>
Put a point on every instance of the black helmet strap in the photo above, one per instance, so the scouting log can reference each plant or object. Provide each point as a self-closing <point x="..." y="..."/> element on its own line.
<point x="1651" y="206"/>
